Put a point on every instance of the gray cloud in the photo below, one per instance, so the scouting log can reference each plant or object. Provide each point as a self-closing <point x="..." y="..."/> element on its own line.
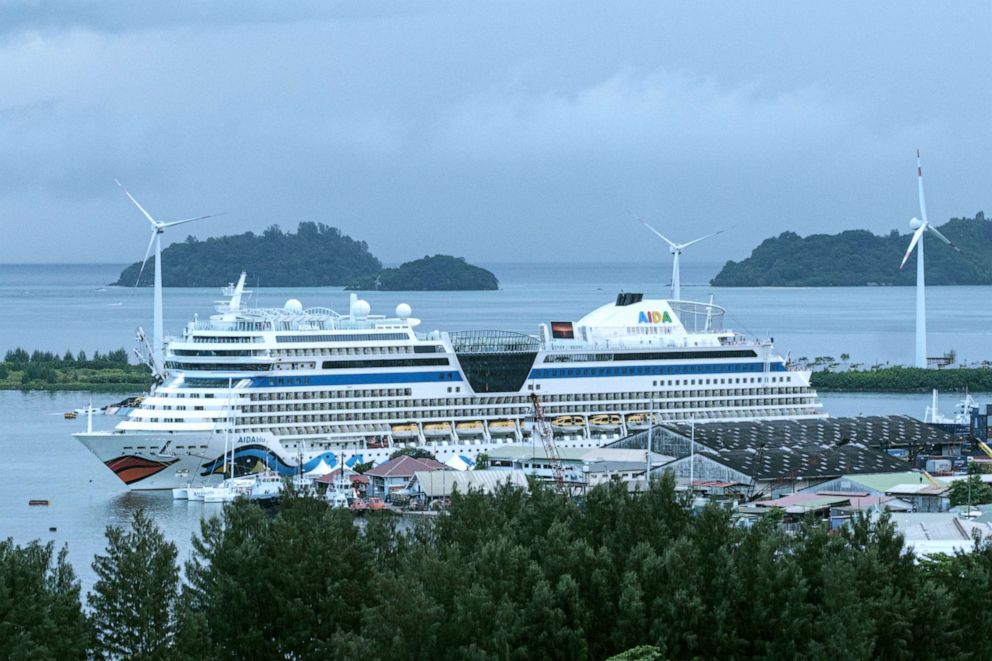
<point x="500" y="131"/>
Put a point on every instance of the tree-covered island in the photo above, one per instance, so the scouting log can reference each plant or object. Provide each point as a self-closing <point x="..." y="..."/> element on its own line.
<point x="437" y="273"/>
<point x="859" y="257"/>
<point x="314" y="256"/>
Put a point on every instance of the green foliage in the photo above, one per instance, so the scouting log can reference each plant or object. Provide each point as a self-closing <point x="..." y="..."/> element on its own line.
<point x="41" y="616"/>
<point x="134" y="600"/>
<point x="904" y="379"/>
<point x="437" y="273"/>
<point x="511" y="576"/>
<point x="971" y="490"/>
<point x="46" y="370"/>
<point x="416" y="453"/>
<point x="858" y="257"/>
<point x="363" y="468"/>
<point x="316" y="255"/>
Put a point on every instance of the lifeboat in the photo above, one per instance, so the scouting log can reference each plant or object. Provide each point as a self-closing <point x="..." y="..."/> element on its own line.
<point x="637" y="421"/>
<point x="568" y="423"/>
<point x="473" y="428"/>
<point x="405" y="431"/>
<point x="605" y="421"/>
<point x="437" y="429"/>
<point x="502" y="427"/>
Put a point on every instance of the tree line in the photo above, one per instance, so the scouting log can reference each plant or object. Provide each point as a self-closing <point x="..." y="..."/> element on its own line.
<point x="20" y="359"/>
<point x="316" y="255"/>
<point x="513" y="576"/>
<point x="859" y="257"/>
<point x="49" y="370"/>
<point x="904" y="379"/>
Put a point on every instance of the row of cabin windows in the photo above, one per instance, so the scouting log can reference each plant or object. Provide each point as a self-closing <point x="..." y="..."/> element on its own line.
<point x="325" y="395"/>
<point x="791" y="406"/>
<point x="405" y="410"/>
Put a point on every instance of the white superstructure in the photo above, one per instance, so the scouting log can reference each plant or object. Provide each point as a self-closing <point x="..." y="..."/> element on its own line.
<point x="308" y="390"/>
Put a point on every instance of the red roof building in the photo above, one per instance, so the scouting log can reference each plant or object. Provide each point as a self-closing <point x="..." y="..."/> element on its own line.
<point x="396" y="474"/>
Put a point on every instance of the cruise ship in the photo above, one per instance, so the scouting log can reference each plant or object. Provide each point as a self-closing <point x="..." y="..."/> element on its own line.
<point x="312" y="390"/>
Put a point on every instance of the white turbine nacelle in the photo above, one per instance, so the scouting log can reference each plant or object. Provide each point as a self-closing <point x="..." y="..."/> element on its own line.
<point x="915" y="223"/>
<point x="676" y="250"/>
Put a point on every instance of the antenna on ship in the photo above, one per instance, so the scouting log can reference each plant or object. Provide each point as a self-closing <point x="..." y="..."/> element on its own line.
<point x="158" y="228"/>
<point x="676" y="249"/>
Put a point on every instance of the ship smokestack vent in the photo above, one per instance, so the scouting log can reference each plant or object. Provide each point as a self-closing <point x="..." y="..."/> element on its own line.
<point x="628" y="298"/>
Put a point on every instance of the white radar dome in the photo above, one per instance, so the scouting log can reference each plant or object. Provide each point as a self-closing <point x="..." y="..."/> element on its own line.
<point x="403" y="310"/>
<point x="293" y="305"/>
<point x="360" y="309"/>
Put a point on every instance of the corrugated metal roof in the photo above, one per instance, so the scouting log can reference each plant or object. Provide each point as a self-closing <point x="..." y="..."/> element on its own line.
<point x="404" y="466"/>
<point x="436" y="484"/>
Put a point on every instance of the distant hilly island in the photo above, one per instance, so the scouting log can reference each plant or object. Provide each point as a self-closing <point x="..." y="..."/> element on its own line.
<point x="859" y="258"/>
<point x="314" y="256"/>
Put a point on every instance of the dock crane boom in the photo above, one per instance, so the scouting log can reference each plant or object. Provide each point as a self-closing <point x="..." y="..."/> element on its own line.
<point x="543" y="429"/>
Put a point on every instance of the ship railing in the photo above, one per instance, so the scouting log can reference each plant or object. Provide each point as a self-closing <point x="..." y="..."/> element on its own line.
<point x="699" y="317"/>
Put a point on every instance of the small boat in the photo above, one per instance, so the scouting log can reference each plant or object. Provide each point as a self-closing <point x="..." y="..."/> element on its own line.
<point x="224" y="493"/>
<point x="39" y="502"/>
<point x="473" y="428"/>
<point x="569" y="423"/>
<point x="405" y="431"/>
<point x="502" y="427"/>
<point x="437" y="429"/>
<point x="70" y="415"/>
<point x="267" y="486"/>
<point x="376" y="504"/>
<point x="605" y="421"/>
<point x="358" y="505"/>
<point x="336" y="499"/>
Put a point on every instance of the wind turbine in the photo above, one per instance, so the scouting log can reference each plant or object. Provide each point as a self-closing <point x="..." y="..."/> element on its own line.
<point x="158" y="227"/>
<point x="676" y="250"/>
<point x="921" y="226"/>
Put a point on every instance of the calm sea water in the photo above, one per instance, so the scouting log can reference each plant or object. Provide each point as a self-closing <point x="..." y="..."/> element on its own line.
<point x="59" y="307"/>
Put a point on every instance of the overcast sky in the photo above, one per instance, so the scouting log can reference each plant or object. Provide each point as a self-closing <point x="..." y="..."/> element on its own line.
<point x="499" y="131"/>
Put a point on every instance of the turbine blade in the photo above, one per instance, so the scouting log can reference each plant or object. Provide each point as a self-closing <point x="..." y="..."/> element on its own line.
<point x="145" y="260"/>
<point x="172" y="223"/>
<point x="702" y="238"/>
<point x="140" y="208"/>
<point x="663" y="237"/>
<point x="919" y="180"/>
<point x="912" y="244"/>
<point x="943" y="238"/>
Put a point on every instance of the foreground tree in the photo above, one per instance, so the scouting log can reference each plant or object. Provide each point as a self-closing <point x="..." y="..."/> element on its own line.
<point x="41" y="616"/>
<point x="134" y="600"/>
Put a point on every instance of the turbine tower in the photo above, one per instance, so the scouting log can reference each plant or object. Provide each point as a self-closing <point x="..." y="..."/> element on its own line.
<point x="676" y="250"/>
<point x="158" y="227"/>
<point x="920" y="227"/>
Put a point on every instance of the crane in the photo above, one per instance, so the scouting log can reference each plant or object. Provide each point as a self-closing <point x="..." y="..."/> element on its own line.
<point x="543" y="429"/>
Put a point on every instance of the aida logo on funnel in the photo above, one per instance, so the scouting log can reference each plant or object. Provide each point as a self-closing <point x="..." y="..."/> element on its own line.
<point x="654" y="317"/>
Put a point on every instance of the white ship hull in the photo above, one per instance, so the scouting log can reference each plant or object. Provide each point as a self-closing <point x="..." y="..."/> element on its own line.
<point x="298" y="390"/>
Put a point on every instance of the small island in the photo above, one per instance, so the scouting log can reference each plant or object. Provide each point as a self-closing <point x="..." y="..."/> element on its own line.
<point x="101" y="372"/>
<point x="860" y="258"/>
<point x="314" y="256"/>
<point x="437" y="273"/>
